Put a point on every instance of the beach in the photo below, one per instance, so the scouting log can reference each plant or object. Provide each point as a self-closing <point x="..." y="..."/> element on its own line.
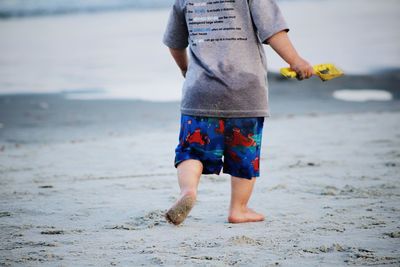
<point x="89" y="121"/>
<point x="86" y="183"/>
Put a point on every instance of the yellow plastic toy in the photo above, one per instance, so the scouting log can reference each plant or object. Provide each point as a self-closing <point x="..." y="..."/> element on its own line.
<point x="324" y="71"/>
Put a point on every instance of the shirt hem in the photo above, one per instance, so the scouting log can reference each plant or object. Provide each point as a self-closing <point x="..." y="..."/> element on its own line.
<point x="226" y="113"/>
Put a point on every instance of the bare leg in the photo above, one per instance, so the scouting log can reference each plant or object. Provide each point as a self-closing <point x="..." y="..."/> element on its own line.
<point x="241" y="190"/>
<point x="189" y="172"/>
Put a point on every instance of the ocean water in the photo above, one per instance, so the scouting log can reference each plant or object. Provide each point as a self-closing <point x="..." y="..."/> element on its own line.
<point x="26" y="8"/>
<point x="118" y="53"/>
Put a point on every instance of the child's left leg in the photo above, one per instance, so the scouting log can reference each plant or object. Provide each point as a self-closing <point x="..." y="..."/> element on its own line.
<point x="239" y="212"/>
<point x="242" y="162"/>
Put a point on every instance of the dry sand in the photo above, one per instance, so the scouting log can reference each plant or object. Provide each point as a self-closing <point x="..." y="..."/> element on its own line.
<point x="329" y="188"/>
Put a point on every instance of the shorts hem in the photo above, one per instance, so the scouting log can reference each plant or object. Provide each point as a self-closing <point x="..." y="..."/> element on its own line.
<point x="185" y="157"/>
<point x="255" y="175"/>
<point x="205" y="170"/>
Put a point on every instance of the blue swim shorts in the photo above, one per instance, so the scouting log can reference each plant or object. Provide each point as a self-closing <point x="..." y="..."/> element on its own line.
<point x="208" y="139"/>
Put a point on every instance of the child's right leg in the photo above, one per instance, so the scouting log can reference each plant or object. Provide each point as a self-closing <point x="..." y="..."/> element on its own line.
<point x="201" y="141"/>
<point x="189" y="172"/>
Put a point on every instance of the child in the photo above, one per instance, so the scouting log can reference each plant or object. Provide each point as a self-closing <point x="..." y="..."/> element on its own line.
<point x="225" y="97"/>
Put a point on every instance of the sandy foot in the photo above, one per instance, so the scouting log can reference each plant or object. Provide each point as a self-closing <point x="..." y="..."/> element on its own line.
<point x="180" y="210"/>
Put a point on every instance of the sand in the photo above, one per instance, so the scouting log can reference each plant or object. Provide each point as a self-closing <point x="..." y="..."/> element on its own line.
<point x="328" y="187"/>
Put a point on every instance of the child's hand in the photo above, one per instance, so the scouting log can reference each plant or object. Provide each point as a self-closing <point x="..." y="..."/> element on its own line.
<point x="281" y="43"/>
<point x="303" y="69"/>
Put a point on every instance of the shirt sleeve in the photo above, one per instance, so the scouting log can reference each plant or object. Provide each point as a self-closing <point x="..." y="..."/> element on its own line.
<point x="267" y="18"/>
<point x="176" y="34"/>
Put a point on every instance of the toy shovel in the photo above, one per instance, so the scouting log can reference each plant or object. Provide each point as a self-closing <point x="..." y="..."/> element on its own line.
<point x="325" y="72"/>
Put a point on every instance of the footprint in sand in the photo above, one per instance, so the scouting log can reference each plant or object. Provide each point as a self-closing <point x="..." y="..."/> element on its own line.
<point x="278" y="187"/>
<point x="52" y="232"/>
<point x="356" y="256"/>
<point x="393" y="234"/>
<point x="149" y="220"/>
<point x="45" y="186"/>
<point x="5" y="214"/>
<point x="204" y="244"/>
<point x="325" y="249"/>
<point x="244" y="240"/>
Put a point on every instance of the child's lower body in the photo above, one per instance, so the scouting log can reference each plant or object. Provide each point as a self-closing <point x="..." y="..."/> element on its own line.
<point x="203" y="141"/>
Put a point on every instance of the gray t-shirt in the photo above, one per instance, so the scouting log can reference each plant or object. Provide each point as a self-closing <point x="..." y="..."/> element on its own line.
<point x="227" y="72"/>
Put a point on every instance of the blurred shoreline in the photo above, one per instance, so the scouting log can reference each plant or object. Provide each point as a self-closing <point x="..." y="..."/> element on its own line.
<point x="54" y="117"/>
<point x="17" y="9"/>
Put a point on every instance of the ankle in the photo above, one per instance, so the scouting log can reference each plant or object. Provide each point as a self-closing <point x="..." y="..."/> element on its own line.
<point x="189" y="192"/>
<point x="238" y="208"/>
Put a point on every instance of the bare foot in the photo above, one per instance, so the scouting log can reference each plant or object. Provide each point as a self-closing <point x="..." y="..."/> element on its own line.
<point x="245" y="215"/>
<point x="180" y="210"/>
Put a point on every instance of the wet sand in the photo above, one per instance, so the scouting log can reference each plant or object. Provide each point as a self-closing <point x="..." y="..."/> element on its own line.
<point x="86" y="183"/>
